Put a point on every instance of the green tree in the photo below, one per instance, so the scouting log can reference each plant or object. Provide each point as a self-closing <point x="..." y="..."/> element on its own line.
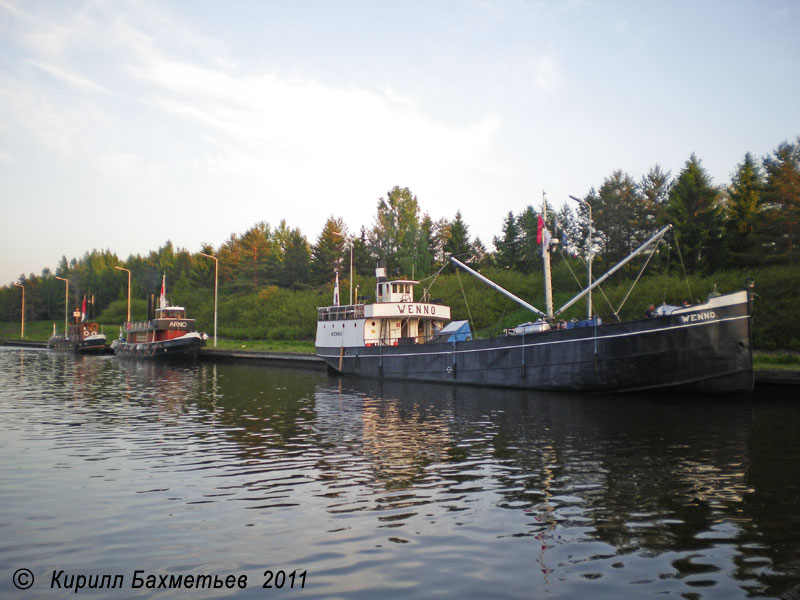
<point x="741" y="212"/>
<point x="331" y="252"/>
<point x="481" y="257"/>
<point x="654" y="192"/>
<point x="415" y="256"/>
<point x="529" y="251"/>
<point x="228" y="256"/>
<point x="439" y="235"/>
<point x="296" y="259"/>
<point x="619" y="217"/>
<point x="394" y="233"/>
<point x="457" y="241"/>
<point x="696" y="213"/>
<point x="363" y="261"/>
<point x="424" y="243"/>
<point x="781" y="215"/>
<point x="254" y="256"/>
<point x="201" y="274"/>
<point x="507" y="247"/>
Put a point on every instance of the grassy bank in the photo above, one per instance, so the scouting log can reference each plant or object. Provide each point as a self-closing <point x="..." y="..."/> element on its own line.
<point x="40" y="331"/>
<point x="298" y="346"/>
<point x="777" y="361"/>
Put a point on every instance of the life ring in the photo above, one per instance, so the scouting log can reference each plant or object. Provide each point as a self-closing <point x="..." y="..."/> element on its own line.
<point x="85" y="332"/>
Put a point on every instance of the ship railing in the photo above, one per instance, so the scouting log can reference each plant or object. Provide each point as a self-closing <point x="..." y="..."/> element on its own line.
<point x="339" y="313"/>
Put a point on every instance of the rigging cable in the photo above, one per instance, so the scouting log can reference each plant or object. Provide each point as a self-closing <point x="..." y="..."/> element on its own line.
<point x="685" y="276"/>
<point x="635" y="281"/>
<point x="433" y="280"/>
<point x="666" y="274"/>
<point x="580" y="285"/>
<point x="465" y="300"/>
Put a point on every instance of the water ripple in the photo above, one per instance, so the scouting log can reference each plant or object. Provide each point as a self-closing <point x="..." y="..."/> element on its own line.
<point x="398" y="490"/>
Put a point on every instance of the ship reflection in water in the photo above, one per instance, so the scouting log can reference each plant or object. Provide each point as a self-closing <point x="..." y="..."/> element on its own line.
<point x="391" y="489"/>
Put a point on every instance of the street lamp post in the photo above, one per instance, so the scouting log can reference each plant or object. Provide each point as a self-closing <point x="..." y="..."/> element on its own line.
<point x="589" y="257"/>
<point x="129" y="289"/>
<point x="216" y="283"/>
<point x="22" y="328"/>
<point x="66" y="302"/>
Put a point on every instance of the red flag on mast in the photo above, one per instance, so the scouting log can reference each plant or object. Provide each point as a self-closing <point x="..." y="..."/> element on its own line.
<point x="83" y="309"/>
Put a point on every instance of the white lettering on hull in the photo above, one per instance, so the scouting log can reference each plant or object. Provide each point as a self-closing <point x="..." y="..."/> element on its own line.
<point x="701" y="316"/>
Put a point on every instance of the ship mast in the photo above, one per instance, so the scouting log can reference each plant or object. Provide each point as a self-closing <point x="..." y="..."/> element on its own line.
<point x="548" y="284"/>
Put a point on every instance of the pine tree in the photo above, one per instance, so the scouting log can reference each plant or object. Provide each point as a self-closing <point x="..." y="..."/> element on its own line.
<point x="696" y="213"/>
<point x="619" y="216"/>
<point x="781" y="215"/>
<point x="507" y="248"/>
<point x="331" y="252"/>
<point x="296" y="259"/>
<point x="393" y="234"/>
<point x="654" y="189"/>
<point x="741" y="212"/>
<point x="458" y="243"/>
<point x="529" y="250"/>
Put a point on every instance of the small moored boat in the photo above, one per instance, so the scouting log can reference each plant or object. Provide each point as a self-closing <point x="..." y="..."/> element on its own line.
<point x="82" y="336"/>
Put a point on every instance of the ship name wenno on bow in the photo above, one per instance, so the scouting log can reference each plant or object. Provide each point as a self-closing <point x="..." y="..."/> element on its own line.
<point x="701" y="348"/>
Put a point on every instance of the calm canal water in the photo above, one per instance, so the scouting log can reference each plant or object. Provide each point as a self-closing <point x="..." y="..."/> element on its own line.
<point x="385" y="490"/>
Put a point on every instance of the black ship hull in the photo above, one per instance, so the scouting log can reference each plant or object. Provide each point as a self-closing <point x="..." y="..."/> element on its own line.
<point x="183" y="348"/>
<point x="704" y="351"/>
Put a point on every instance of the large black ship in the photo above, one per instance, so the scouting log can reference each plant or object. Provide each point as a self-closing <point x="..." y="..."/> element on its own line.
<point x="701" y="348"/>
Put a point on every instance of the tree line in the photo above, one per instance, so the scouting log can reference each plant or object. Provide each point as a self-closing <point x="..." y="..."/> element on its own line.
<point x="751" y="221"/>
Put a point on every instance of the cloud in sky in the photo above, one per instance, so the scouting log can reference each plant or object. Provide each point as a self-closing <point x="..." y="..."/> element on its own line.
<point x="191" y="122"/>
<point x="146" y="129"/>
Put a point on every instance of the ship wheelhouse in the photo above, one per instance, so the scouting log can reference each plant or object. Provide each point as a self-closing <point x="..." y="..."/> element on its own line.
<point x="394" y="319"/>
<point x="168" y="323"/>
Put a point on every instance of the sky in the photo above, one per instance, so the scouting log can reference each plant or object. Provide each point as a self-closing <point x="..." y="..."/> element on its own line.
<point x="128" y="123"/>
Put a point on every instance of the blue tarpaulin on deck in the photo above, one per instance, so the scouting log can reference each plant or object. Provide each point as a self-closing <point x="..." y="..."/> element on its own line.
<point x="456" y="331"/>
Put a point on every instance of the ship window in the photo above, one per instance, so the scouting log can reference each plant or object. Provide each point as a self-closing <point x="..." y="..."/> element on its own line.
<point x="394" y="288"/>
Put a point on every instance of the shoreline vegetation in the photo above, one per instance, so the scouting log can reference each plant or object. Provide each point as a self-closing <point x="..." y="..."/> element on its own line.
<point x="271" y="279"/>
<point x="278" y="320"/>
<point x="274" y="319"/>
